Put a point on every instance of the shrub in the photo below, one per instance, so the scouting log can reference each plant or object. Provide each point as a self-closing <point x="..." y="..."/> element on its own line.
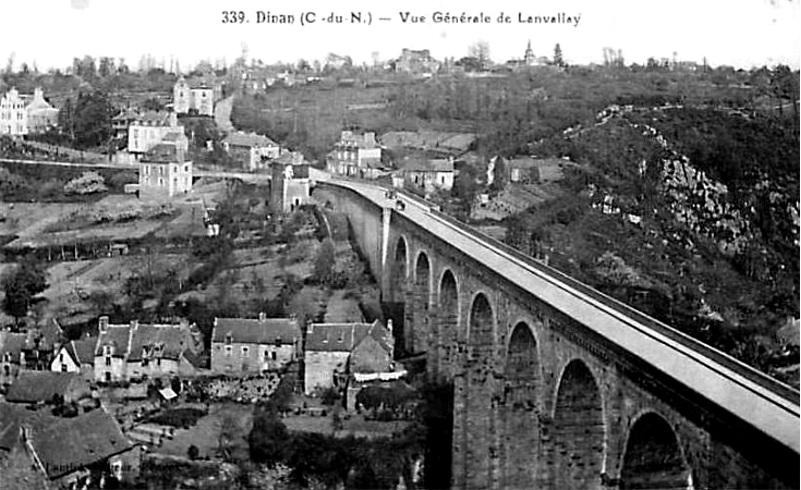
<point x="87" y="183"/>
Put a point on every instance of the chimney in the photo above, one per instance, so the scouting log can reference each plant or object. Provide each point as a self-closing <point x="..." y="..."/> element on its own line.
<point x="262" y="316"/>
<point x="102" y="323"/>
<point x="134" y="324"/>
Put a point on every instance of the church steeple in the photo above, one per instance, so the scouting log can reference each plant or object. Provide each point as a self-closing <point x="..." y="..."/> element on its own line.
<point x="529" y="57"/>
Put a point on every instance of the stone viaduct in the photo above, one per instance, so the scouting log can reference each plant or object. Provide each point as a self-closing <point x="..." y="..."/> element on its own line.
<point x="556" y="385"/>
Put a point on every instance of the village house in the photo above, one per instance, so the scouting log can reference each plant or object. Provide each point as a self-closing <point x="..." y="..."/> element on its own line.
<point x="13" y="115"/>
<point x="41" y="115"/>
<point x="198" y="99"/>
<point x="355" y="156"/>
<point x="79" y="452"/>
<point x="243" y="345"/>
<point x="290" y="187"/>
<point x="333" y="351"/>
<point x="429" y="175"/>
<point x="76" y="356"/>
<point x="155" y="128"/>
<point x="527" y="170"/>
<point x="134" y="351"/>
<point x="11" y="356"/>
<point x="163" y="173"/>
<point x="122" y="120"/>
<point x="34" y="387"/>
<point x="416" y="61"/>
<point x="251" y="150"/>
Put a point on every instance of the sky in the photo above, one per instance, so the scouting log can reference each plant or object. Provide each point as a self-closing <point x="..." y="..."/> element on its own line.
<point x="740" y="33"/>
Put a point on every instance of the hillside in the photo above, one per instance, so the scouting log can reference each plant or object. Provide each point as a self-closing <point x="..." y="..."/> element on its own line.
<point x="690" y="215"/>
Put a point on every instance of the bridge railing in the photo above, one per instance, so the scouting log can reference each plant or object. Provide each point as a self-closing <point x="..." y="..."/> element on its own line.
<point x="719" y="357"/>
<point x="578" y="289"/>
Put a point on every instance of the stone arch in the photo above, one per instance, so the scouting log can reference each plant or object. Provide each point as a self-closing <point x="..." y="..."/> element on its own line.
<point x="420" y="329"/>
<point x="480" y="401"/>
<point x="522" y="426"/>
<point x="653" y="457"/>
<point x="578" y="429"/>
<point x="481" y="324"/>
<point x="399" y="270"/>
<point x="396" y="306"/>
<point x="448" y="317"/>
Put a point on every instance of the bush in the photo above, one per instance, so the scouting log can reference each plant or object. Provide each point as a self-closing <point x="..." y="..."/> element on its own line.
<point x="178" y="417"/>
<point x="87" y="183"/>
<point x="193" y="452"/>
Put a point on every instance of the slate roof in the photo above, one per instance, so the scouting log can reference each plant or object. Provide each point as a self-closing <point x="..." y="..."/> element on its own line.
<point x="83" y="350"/>
<point x="255" y="331"/>
<point x="11" y="343"/>
<point x="173" y="339"/>
<point x="118" y="336"/>
<point x="13" y="415"/>
<point x="39" y="386"/>
<point x="438" y="165"/>
<point x="343" y="337"/>
<point x="249" y="140"/>
<point x="74" y="443"/>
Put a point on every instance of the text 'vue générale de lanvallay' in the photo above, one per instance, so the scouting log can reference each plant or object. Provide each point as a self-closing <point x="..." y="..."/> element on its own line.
<point x="404" y="17"/>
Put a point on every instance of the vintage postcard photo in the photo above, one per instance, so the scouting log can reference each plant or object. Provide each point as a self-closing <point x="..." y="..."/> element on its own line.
<point x="516" y="245"/>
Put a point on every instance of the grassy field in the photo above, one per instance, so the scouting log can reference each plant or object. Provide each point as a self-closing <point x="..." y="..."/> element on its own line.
<point x="206" y="432"/>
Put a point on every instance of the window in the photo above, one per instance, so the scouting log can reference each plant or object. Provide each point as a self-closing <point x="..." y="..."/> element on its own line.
<point x="245" y="350"/>
<point x="63" y="368"/>
<point x="228" y="350"/>
<point x="274" y="355"/>
<point x="108" y="377"/>
<point x="108" y="360"/>
<point x="61" y="358"/>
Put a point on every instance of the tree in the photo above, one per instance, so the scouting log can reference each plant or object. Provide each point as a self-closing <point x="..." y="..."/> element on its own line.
<point x="480" y="51"/>
<point x="324" y="262"/>
<point x="92" y="119"/>
<point x="20" y="286"/>
<point x="557" y="56"/>
<point x="193" y="452"/>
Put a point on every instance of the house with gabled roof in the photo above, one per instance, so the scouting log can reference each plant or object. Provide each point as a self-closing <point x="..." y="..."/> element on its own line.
<point x="76" y="356"/>
<point x="135" y="351"/>
<point x="82" y="450"/>
<point x="35" y="387"/>
<point x="251" y="150"/>
<point x="244" y="345"/>
<point x="333" y="351"/>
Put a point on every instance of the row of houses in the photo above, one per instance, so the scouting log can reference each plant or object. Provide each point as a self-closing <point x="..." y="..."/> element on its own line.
<point x="331" y="353"/>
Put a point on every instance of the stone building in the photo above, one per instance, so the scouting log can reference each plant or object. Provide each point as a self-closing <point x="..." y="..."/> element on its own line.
<point x="252" y="151"/>
<point x="198" y="99"/>
<point x="76" y="356"/>
<point x="41" y="115"/>
<point x="290" y="186"/>
<point x="242" y="345"/>
<point x="13" y="114"/>
<point x="429" y="175"/>
<point x="133" y="351"/>
<point x="355" y="155"/>
<point x="334" y="351"/>
<point x="154" y="128"/>
<point x="163" y="173"/>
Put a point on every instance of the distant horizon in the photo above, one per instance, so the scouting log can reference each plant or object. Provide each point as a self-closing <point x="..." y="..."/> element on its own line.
<point x="743" y="34"/>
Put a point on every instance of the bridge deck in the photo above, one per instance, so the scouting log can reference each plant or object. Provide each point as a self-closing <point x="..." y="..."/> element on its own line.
<point x="750" y="395"/>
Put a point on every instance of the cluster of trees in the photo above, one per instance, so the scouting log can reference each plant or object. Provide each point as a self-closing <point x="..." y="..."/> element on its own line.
<point x="20" y="286"/>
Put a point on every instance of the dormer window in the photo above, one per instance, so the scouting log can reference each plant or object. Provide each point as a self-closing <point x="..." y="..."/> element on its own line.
<point x="107" y="350"/>
<point x="341" y="337"/>
<point x="278" y="341"/>
<point x="228" y="339"/>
